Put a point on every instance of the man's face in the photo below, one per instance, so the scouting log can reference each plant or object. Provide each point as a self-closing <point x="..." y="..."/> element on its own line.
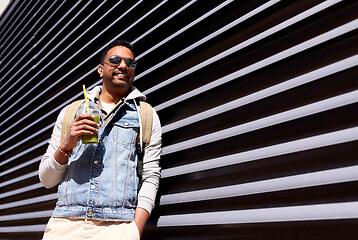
<point x="121" y="76"/>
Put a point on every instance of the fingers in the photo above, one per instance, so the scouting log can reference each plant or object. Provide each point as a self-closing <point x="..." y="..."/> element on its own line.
<point x="84" y="117"/>
<point x="85" y="128"/>
<point x="84" y="124"/>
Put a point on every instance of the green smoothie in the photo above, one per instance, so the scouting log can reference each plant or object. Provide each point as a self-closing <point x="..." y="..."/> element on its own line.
<point x="91" y="139"/>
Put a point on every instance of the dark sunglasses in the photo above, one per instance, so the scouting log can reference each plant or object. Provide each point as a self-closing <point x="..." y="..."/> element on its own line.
<point x="115" y="61"/>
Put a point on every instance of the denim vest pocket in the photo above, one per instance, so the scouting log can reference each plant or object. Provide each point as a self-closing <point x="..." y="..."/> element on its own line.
<point x="125" y="131"/>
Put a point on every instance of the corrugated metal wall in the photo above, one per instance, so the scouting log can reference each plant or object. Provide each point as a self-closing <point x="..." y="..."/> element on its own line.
<point x="258" y="102"/>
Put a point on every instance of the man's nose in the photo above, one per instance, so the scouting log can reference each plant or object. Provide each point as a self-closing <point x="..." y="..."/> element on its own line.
<point x="122" y="64"/>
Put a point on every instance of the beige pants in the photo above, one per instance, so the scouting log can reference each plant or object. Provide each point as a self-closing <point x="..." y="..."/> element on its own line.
<point x="77" y="229"/>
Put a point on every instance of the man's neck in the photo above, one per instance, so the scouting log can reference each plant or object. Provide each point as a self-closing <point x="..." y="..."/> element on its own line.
<point x="113" y="96"/>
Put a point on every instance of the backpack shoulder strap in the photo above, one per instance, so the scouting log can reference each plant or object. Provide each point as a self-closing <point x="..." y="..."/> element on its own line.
<point x="146" y="116"/>
<point x="68" y="118"/>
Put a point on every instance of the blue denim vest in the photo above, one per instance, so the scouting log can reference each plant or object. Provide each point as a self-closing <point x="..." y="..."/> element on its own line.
<point x="101" y="180"/>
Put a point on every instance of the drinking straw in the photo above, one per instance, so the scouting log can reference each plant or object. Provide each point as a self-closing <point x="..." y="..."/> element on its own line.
<point x="85" y="93"/>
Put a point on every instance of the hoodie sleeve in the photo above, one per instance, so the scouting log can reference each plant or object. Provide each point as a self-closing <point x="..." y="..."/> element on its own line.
<point x="50" y="171"/>
<point x="151" y="168"/>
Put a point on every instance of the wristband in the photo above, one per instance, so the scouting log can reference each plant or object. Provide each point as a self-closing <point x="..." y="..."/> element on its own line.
<point x="64" y="152"/>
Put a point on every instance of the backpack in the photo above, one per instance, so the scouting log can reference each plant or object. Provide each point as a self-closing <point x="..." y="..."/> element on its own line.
<point x="146" y="117"/>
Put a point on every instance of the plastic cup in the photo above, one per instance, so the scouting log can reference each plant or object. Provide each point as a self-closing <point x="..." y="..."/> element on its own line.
<point x="90" y="139"/>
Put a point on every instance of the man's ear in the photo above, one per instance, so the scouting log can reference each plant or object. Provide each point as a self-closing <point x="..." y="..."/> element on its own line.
<point x="100" y="70"/>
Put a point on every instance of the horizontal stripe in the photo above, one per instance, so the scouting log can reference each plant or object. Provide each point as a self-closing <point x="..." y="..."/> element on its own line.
<point x="29" y="201"/>
<point x="18" y="16"/>
<point x="161" y="23"/>
<point x="58" y="55"/>
<point x="14" y="55"/>
<point x="11" y="20"/>
<point x="323" y="140"/>
<point x="267" y="92"/>
<point x="43" y="105"/>
<point x="202" y="41"/>
<point x="21" y="190"/>
<point x="334" y="211"/>
<point x="38" y="42"/>
<point x="25" y="27"/>
<point x="41" y="144"/>
<point x="18" y="179"/>
<point x="20" y="166"/>
<point x="261" y="64"/>
<point x="318" y="178"/>
<point x="43" y="66"/>
<point x="21" y="216"/>
<point x="244" y="44"/>
<point x="279" y="118"/>
<point x="25" y="228"/>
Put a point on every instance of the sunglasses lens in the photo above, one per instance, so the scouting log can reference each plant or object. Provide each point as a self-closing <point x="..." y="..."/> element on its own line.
<point x="114" y="61"/>
<point x="130" y="63"/>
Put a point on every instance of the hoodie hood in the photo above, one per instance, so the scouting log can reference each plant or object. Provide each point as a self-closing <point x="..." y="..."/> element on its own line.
<point x="133" y="94"/>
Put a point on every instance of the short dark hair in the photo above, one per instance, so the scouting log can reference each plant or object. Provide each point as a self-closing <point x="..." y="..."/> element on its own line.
<point x="115" y="43"/>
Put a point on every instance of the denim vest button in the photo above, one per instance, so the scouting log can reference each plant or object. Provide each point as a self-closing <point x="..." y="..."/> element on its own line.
<point x="95" y="162"/>
<point x="93" y="187"/>
<point x="126" y="123"/>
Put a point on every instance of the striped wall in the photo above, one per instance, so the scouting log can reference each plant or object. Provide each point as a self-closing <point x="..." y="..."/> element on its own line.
<point x="258" y="101"/>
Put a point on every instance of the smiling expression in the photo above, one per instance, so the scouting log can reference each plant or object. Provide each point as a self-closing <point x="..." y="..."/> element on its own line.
<point x="117" y="77"/>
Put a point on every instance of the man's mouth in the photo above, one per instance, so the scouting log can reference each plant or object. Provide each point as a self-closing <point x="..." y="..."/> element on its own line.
<point x="121" y="75"/>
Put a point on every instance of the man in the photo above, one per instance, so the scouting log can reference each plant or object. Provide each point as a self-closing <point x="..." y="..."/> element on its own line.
<point x="97" y="194"/>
